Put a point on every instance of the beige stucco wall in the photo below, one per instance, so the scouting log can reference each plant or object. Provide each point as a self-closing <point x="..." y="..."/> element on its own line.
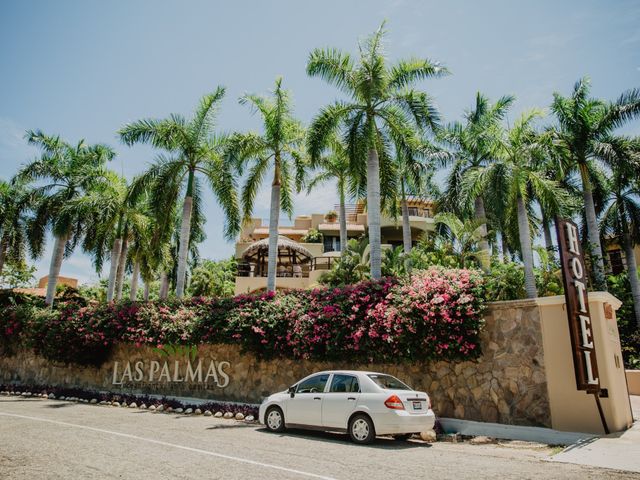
<point x="571" y="409"/>
<point x="633" y="381"/>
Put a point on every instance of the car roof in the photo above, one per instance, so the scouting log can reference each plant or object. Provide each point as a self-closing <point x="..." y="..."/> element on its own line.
<point x="350" y="372"/>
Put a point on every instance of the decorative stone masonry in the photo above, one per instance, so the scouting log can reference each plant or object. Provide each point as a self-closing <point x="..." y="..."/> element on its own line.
<point x="507" y="384"/>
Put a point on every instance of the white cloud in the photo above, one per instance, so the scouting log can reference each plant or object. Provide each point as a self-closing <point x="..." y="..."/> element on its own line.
<point x="14" y="149"/>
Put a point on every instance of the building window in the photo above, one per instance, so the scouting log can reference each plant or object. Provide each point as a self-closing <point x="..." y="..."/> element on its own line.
<point x="617" y="264"/>
<point x="331" y="244"/>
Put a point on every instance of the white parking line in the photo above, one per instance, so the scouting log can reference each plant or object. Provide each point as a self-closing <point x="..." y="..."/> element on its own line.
<point x="173" y="445"/>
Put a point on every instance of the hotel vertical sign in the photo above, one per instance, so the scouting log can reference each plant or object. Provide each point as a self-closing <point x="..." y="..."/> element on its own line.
<point x="574" y="275"/>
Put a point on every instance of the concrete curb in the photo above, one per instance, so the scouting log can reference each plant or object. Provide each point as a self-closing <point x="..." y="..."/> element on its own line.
<point x="513" y="432"/>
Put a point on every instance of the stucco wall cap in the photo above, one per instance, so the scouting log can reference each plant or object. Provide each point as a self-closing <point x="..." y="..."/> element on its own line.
<point x="604" y="297"/>
<point x="522" y="302"/>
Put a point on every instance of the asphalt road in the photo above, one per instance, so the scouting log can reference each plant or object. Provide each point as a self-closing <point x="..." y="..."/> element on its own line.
<point x="56" y="439"/>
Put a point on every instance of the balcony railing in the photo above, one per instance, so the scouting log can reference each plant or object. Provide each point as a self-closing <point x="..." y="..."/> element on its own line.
<point x="419" y="212"/>
<point x="246" y="269"/>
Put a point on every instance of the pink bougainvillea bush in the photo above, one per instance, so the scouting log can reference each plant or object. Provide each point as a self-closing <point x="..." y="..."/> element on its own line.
<point x="436" y="313"/>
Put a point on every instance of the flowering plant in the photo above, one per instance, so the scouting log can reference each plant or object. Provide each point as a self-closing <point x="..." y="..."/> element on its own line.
<point x="434" y="314"/>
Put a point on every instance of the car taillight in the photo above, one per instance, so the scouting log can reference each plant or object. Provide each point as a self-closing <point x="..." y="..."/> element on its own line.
<point x="394" y="403"/>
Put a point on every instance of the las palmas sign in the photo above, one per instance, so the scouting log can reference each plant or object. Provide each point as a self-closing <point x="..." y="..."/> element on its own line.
<point x="185" y="368"/>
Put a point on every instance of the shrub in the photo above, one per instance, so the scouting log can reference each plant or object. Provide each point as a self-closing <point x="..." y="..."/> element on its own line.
<point x="434" y="314"/>
<point x="505" y="282"/>
<point x="312" y="236"/>
<point x="620" y="287"/>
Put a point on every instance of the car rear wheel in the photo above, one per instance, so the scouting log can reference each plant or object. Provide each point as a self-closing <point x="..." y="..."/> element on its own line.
<point x="361" y="429"/>
<point x="274" y="419"/>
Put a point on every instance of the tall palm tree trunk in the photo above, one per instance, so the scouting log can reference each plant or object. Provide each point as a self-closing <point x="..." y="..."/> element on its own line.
<point x="115" y="262"/>
<point x="343" y="219"/>
<point x="406" y="232"/>
<point x="54" y="268"/>
<point x="3" y="255"/>
<point x="274" y="214"/>
<point x="481" y="216"/>
<point x="527" y="252"/>
<point x="164" y="286"/>
<point x="593" y="234"/>
<point x="147" y="288"/>
<point x="548" y="239"/>
<point x="632" y="270"/>
<point x="373" y="212"/>
<point x="122" y="264"/>
<point x="504" y="247"/>
<point x="135" y="275"/>
<point x="185" y="232"/>
<point x="406" y="225"/>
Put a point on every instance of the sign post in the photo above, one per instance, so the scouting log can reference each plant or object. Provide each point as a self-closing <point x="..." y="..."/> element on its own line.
<point x="574" y="276"/>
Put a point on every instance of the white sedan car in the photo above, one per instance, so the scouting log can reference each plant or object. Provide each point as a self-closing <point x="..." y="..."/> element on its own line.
<point x="364" y="404"/>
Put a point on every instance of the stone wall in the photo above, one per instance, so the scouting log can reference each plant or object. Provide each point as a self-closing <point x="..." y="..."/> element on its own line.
<point x="507" y="384"/>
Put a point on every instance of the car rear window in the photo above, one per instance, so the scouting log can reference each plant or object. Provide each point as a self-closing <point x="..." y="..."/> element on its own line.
<point x="388" y="382"/>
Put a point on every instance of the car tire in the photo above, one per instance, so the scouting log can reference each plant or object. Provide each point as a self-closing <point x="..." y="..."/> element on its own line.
<point x="274" y="419"/>
<point x="361" y="429"/>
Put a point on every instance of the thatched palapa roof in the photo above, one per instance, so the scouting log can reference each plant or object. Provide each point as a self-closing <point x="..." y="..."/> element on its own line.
<point x="286" y="248"/>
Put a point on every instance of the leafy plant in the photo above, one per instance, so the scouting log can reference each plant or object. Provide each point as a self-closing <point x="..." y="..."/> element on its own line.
<point x="331" y="216"/>
<point x="505" y="282"/>
<point x="214" y="278"/>
<point x="312" y="236"/>
<point x="433" y="314"/>
<point x="619" y="286"/>
<point x="351" y="267"/>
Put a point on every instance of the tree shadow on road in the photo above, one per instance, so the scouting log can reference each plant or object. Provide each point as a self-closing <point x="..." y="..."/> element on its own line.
<point x="385" y="443"/>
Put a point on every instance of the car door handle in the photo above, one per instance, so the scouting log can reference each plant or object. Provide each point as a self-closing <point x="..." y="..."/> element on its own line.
<point x="317" y="398"/>
<point x="351" y="398"/>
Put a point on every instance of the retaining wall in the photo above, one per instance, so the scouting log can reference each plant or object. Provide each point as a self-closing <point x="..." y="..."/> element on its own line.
<point x="507" y="384"/>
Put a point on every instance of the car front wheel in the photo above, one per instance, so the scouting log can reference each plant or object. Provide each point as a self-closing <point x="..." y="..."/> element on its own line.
<point x="361" y="429"/>
<point x="274" y="419"/>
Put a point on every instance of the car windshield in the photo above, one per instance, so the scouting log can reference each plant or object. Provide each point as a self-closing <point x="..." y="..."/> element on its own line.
<point x="388" y="382"/>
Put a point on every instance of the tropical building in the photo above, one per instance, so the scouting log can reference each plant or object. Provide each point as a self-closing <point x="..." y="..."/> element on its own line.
<point x="616" y="257"/>
<point x="310" y="246"/>
<point x="41" y="289"/>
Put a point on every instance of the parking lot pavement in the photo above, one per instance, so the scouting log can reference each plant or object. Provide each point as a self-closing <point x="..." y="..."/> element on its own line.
<point x="58" y="439"/>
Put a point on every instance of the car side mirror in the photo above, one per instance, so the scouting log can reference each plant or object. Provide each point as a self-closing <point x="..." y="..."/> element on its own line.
<point x="292" y="391"/>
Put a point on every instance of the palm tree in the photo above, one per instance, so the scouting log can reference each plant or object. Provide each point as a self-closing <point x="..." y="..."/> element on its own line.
<point x="584" y="125"/>
<point x="106" y="227"/>
<point x="621" y="217"/>
<point x="68" y="177"/>
<point x="15" y="200"/>
<point x="381" y="107"/>
<point x="279" y="146"/>
<point x="516" y="176"/>
<point x="334" y="165"/>
<point x="465" y="237"/>
<point x="414" y="171"/>
<point x="192" y="149"/>
<point x="472" y="144"/>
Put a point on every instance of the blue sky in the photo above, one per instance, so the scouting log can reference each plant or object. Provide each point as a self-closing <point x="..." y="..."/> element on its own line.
<point x="82" y="69"/>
